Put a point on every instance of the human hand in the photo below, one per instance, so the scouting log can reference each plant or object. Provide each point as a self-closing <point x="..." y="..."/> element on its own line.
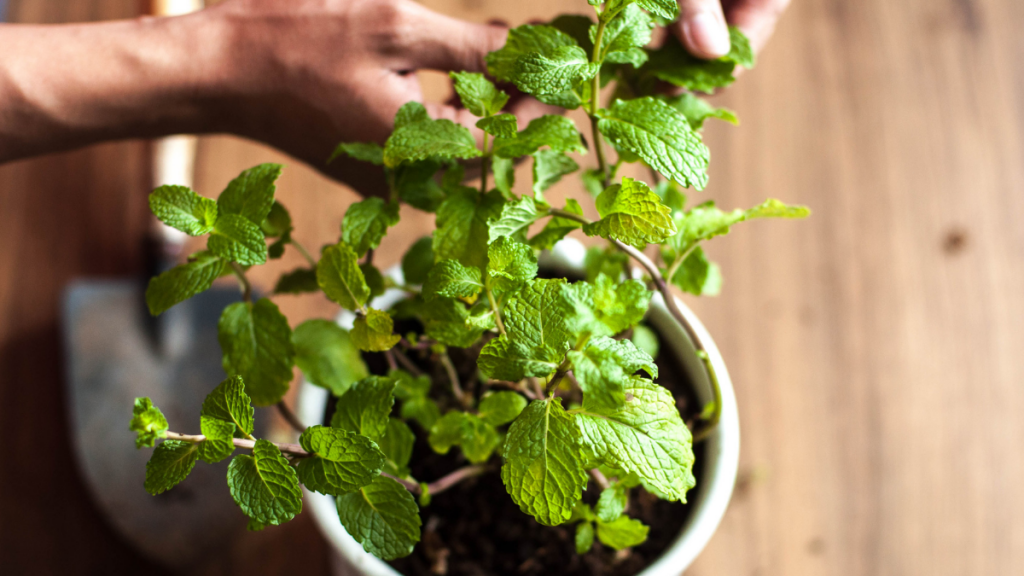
<point x="312" y="73"/>
<point x="702" y="23"/>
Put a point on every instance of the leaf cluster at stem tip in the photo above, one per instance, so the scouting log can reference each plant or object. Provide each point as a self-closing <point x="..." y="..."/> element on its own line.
<point x="551" y="381"/>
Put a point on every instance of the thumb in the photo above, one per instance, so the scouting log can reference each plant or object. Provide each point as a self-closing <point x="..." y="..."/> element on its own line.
<point x="439" y="42"/>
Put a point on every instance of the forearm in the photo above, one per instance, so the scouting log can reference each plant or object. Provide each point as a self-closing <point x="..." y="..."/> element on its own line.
<point x="66" y="86"/>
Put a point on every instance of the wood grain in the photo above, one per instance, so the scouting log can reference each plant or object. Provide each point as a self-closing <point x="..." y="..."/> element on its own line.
<point x="877" y="348"/>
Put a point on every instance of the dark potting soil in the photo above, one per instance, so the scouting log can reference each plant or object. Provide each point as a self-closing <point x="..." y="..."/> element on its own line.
<point x="474" y="528"/>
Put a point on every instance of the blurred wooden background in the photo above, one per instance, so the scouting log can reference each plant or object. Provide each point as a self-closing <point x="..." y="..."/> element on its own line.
<point x="877" y="349"/>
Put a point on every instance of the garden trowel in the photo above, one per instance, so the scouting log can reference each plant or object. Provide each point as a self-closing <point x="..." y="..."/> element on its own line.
<point x="117" y="352"/>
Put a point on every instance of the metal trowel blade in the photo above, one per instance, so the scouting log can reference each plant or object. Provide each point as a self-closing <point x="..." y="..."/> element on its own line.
<point x="113" y="358"/>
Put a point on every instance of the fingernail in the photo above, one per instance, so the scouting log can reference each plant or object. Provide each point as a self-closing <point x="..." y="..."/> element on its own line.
<point x="707" y="34"/>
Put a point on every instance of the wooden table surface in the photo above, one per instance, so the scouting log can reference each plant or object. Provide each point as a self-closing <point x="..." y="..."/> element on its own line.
<point x="877" y="349"/>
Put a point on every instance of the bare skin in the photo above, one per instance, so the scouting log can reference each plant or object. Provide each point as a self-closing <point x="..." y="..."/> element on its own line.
<point x="299" y="75"/>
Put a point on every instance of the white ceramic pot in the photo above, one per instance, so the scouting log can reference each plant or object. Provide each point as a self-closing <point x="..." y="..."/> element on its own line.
<point x="708" y="500"/>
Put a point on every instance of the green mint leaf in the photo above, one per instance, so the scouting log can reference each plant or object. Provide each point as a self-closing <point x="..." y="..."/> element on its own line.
<point x="584" y="537"/>
<point x="671" y="196"/>
<point x="278" y="223"/>
<point x="635" y="56"/>
<point x="408" y="386"/>
<point x="604" y="369"/>
<point x="374" y="332"/>
<point x="228" y="402"/>
<point x="578" y="27"/>
<point x="374" y="279"/>
<point x="342" y="461"/>
<point x="623" y="532"/>
<point x="363" y="151"/>
<point x="740" y="50"/>
<point x="418" y="261"/>
<point x="538" y="321"/>
<point x="181" y="208"/>
<point x="632" y="213"/>
<point x="511" y="264"/>
<point x="264" y="485"/>
<point x="429" y="139"/>
<point x="645" y="436"/>
<point x="667" y="9"/>
<point x="257" y="345"/>
<point x="557" y="227"/>
<point x="554" y="71"/>
<point x="251" y="194"/>
<point x="698" y="275"/>
<point x="327" y="356"/>
<point x="410" y="113"/>
<point x="646" y="340"/>
<point x="607" y="261"/>
<point x="183" y="282"/>
<point x="423" y="410"/>
<point x="448" y="322"/>
<point x="515" y="218"/>
<point x="478" y="94"/>
<point x="462" y="226"/>
<point x="620" y="305"/>
<point x="706" y="221"/>
<point x="523" y="41"/>
<point x="629" y="29"/>
<point x="659" y="135"/>
<point x="557" y="132"/>
<point x="612" y="502"/>
<point x="593" y="181"/>
<point x="543" y="470"/>
<point x="502" y="125"/>
<point x="237" y="239"/>
<point x="170" y="463"/>
<point x="674" y="64"/>
<point x="365" y="408"/>
<point x="366" y="223"/>
<point x="383" y="517"/>
<point x="499" y="408"/>
<point x="340" y="278"/>
<point x="548" y="168"/>
<point x="477" y="439"/>
<point x="396" y="444"/>
<point x="298" y="281"/>
<point x="569" y="99"/>
<point x="697" y="110"/>
<point x="449" y="279"/>
<point x="218" y="444"/>
<point x="416" y="186"/>
<point x="148" y="422"/>
<point x="504" y="174"/>
<point x="254" y="525"/>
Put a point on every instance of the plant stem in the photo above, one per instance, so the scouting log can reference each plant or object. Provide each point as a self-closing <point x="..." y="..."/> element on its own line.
<point x="483" y="168"/>
<point x="440" y="485"/>
<point x="390" y="357"/>
<point x="595" y="91"/>
<point x="677" y="263"/>
<point x="305" y="254"/>
<point x="246" y="286"/>
<point x="243" y="443"/>
<point x="497" y="313"/>
<point x="406" y="363"/>
<point x="599" y="478"/>
<point x="290" y="417"/>
<point x="453" y="377"/>
<point x="516" y="387"/>
<point x="673" y="308"/>
<point x="443" y="483"/>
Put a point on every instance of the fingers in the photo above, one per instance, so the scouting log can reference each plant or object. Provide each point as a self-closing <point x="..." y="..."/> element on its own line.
<point x="701" y="28"/>
<point x="757" y="18"/>
<point x="439" y="42"/>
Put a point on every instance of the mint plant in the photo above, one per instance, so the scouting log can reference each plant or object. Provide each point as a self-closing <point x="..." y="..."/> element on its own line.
<point x="564" y="392"/>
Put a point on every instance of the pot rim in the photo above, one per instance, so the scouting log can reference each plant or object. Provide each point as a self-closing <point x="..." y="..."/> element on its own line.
<point x="721" y="452"/>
